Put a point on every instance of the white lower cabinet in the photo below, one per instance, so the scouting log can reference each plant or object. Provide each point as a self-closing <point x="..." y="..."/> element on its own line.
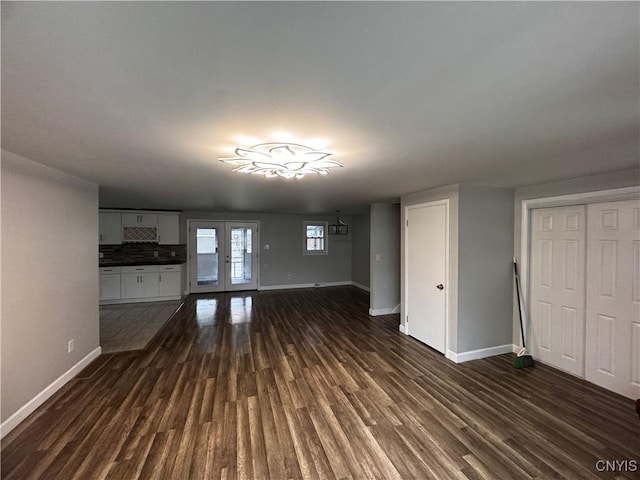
<point x="169" y="280"/>
<point x="141" y="283"/>
<point x="110" y="283"/>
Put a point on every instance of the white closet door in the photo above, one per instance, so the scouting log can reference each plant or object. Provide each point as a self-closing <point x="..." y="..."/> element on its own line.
<point x="613" y="297"/>
<point x="557" y="287"/>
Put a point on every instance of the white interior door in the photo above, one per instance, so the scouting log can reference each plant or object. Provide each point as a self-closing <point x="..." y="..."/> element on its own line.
<point x="206" y="250"/>
<point x="613" y="293"/>
<point x="426" y="273"/>
<point x="223" y="256"/>
<point x="557" y="287"/>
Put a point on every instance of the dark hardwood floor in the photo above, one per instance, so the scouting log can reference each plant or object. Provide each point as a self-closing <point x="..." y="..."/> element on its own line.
<point x="304" y="384"/>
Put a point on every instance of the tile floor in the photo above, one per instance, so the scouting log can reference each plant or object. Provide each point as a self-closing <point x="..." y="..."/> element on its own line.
<point x="131" y="326"/>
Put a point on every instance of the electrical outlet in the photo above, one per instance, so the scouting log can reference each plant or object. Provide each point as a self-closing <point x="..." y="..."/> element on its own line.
<point x="266" y="246"/>
<point x="173" y="254"/>
<point x="377" y="257"/>
<point x="70" y="346"/>
<point x="155" y="254"/>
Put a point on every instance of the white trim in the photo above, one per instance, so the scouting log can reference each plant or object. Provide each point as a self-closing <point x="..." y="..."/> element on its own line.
<point x="480" y="353"/>
<point x="28" y="408"/>
<point x="599" y="196"/>
<point x="403" y="329"/>
<point x="140" y="300"/>
<point x="360" y="286"/>
<point x="384" y="311"/>
<point x="381" y="311"/>
<point x="306" y="285"/>
<point x="447" y="319"/>
<point x="325" y="226"/>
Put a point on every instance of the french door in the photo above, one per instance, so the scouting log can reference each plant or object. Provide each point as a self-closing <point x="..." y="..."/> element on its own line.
<point x="223" y="256"/>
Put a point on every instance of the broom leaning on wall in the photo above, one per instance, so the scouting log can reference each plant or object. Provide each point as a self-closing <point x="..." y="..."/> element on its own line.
<point x="523" y="359"/>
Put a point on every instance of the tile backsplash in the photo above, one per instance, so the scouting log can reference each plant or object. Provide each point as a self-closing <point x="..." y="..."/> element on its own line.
<point x="142" y="253"/>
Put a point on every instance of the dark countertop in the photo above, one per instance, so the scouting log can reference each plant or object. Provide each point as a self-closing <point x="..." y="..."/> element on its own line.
<point x="146" y="262"/>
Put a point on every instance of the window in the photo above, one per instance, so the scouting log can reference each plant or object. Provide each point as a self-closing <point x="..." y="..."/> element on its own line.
<point x="315" y="238"/>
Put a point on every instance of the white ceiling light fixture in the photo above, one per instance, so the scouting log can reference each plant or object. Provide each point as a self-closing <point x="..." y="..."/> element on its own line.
<point x="281" y="159"/>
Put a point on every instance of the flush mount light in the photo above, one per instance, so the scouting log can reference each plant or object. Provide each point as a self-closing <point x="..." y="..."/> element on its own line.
<point x="287" y="160"/>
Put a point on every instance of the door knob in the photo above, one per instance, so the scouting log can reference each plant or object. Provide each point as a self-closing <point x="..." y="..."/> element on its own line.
<point x="440" y="286"/>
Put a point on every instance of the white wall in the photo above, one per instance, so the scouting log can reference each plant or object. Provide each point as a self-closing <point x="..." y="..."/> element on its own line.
<point x="49" y="280"/>
<point x="385" y="258"/>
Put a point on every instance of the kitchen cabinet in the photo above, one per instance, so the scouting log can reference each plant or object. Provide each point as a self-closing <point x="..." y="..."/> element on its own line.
<point x="110" y="283"/>
<point x="110" y="228"/>
<point x="139" y="220"/>
<point x="139" y="282"/>
<point x="169" y="280"/>
<point x="168" y="229"/>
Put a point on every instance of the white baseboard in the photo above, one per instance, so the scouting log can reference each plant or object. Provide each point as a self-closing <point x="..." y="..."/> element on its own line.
<point x="305" y="285"/>
<point x="396" y="309"/>
<point x="139" y="300"/>
<point x="380" y="311"/>
<point x="403" y="329"/>
<point x="360" y="286"/>
<point x="28" y="408"/>
<point x="481" y="353"/>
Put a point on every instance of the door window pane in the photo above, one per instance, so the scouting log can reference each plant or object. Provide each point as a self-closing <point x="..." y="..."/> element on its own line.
<point x="240" y="255"/>
<point x="207" y="252"/>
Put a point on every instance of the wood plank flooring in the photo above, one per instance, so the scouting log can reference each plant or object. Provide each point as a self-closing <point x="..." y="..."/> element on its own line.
<point x="304" y="384"/>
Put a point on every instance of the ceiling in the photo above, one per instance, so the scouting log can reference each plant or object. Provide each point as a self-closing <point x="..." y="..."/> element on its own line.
<point x="143" y="98"/>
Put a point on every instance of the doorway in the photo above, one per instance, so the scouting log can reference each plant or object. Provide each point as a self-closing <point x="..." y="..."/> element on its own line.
<point x="426" y="267"/>
<point x="223" y="256"/>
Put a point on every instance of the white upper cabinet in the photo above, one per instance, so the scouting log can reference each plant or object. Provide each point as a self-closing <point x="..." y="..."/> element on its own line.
<point x="139" y="220"/>
<point x="168" y="229"/>
<point x="117" y="227"/>
<point x="110" y="228"/>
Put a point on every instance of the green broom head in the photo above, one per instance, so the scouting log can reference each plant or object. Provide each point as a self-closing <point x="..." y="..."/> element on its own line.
<point x="523" y="360"/>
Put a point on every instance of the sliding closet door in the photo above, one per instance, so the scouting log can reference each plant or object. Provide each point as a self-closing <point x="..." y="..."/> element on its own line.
<point x="558" y="287"/>
<point x="613" y="297"/>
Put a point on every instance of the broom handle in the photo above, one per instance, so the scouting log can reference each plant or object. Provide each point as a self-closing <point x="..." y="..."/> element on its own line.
<point x="515" y="271"/>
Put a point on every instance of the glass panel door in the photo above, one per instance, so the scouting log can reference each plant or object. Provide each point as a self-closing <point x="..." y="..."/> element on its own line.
<point x="223" y="256"/>
<point x="241" y="256"/>
<point x="207" y="245"/>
